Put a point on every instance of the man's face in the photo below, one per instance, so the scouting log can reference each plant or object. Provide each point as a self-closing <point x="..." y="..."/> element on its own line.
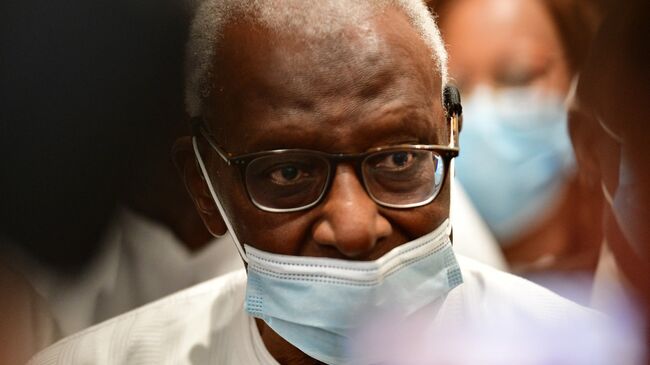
<point x="372" y="86"/>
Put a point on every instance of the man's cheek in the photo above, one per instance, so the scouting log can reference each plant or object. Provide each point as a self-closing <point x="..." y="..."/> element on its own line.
<point x="414" y="223"/>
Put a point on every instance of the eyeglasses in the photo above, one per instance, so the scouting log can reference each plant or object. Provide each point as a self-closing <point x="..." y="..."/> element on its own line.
<point x="289" y="180"/>
<point x="400" y="176"/>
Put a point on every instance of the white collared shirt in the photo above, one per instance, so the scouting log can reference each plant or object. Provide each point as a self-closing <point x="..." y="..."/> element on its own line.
<point x="141" y="261"/>
<point x="206" y="324"/>
<point x="472" y="237"/>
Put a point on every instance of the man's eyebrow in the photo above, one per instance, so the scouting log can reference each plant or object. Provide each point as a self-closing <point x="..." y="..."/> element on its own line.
<point x="408" y="127"/>
<point x="288" y="134"/>
<point x="407" y="123"/>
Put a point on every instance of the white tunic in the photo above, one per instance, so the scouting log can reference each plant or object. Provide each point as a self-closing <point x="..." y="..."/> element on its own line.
<point x="206" y="324"/>
<point x="472" y="237"/>
<point x="141" y="261"/>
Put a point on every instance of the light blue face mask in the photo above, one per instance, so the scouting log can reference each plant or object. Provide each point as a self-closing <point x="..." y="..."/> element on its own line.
<point x="515" y="157"/>
<point x="316" y="304"/>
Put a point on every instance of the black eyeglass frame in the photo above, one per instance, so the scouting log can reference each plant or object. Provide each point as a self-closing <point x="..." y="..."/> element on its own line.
<point x="453" y="108"/>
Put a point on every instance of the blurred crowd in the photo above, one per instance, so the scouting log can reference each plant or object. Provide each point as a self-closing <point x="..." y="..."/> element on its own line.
<point x="552" y="179"/>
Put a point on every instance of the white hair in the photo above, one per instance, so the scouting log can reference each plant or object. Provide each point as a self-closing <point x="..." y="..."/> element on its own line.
<point x="312" y="18"/>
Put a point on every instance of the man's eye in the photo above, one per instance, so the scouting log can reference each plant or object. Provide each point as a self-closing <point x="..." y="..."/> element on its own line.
<point x="396" y="161"/>
<point x="288" y="174"/>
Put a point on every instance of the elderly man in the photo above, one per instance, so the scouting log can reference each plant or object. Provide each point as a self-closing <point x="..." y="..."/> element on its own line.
<point x="323" y="142"/>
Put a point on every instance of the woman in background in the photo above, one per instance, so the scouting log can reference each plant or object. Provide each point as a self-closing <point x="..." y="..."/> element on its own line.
<point x="514" y="62"/>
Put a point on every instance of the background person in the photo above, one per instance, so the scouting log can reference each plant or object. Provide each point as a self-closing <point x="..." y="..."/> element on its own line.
<point x="26" y="325"/>
<point x="514" y="62"/>
<point x="100" y="222"/>
<point x="610" y="131"/>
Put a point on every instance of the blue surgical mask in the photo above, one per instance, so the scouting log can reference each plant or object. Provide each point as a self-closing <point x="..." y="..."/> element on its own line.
<point x="516" y="156"/>
<point x="317" y="304"/>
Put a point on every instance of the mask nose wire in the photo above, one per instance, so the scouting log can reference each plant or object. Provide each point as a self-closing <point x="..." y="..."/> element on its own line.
<point x="204" y="171"/>
<point x="570" y="98"/>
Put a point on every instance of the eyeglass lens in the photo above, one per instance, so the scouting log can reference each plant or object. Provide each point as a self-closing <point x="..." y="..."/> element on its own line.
<point x="402" y="178"/>
<point x="292" y="180"/>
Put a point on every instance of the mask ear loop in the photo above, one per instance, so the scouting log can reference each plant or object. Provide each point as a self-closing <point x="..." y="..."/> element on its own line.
<point x="609" y="132"/>
<point x="606" y="194"/>
<point x="570" y="99"/>
<point x="619" y="140"/>
<point x="204" y="171"/>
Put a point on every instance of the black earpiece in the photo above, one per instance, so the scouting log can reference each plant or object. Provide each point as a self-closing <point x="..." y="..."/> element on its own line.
<point x="452" y="104"/>
<point x="454" y="113"/>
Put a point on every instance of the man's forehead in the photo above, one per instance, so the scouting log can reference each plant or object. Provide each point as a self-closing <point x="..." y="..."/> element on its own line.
<point x="275" y="64"/>
<point x="266" y="75"/>
<point x="326" y="62"/>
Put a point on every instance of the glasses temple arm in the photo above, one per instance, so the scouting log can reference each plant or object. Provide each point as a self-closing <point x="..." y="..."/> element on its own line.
<point x="198" y="128"/>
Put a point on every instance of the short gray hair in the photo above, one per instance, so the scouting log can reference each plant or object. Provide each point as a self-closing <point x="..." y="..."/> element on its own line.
<point x="309" y="17"/>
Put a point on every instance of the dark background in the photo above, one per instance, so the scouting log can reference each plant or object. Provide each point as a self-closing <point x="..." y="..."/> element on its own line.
<point x="82" y="83"/>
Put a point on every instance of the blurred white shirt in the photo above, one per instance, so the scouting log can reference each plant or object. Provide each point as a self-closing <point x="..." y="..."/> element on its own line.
<point x="472" y="237"/>
<point x="207" y="324"/>
<point x="142" y="261"/>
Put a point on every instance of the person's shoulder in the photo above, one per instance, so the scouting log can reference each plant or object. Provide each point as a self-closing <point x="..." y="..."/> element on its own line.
<point x="486" y="290"/>
<point x="166" y="328"/>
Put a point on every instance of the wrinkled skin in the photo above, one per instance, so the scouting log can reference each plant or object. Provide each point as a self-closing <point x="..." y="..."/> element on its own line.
<point x="373" y="86"/>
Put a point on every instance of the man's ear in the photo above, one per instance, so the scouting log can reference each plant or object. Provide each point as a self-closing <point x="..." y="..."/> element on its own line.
<point x="187" y="166"/>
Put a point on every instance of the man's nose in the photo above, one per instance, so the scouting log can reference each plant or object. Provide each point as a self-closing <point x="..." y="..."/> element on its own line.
<point x="351" y="221"/>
